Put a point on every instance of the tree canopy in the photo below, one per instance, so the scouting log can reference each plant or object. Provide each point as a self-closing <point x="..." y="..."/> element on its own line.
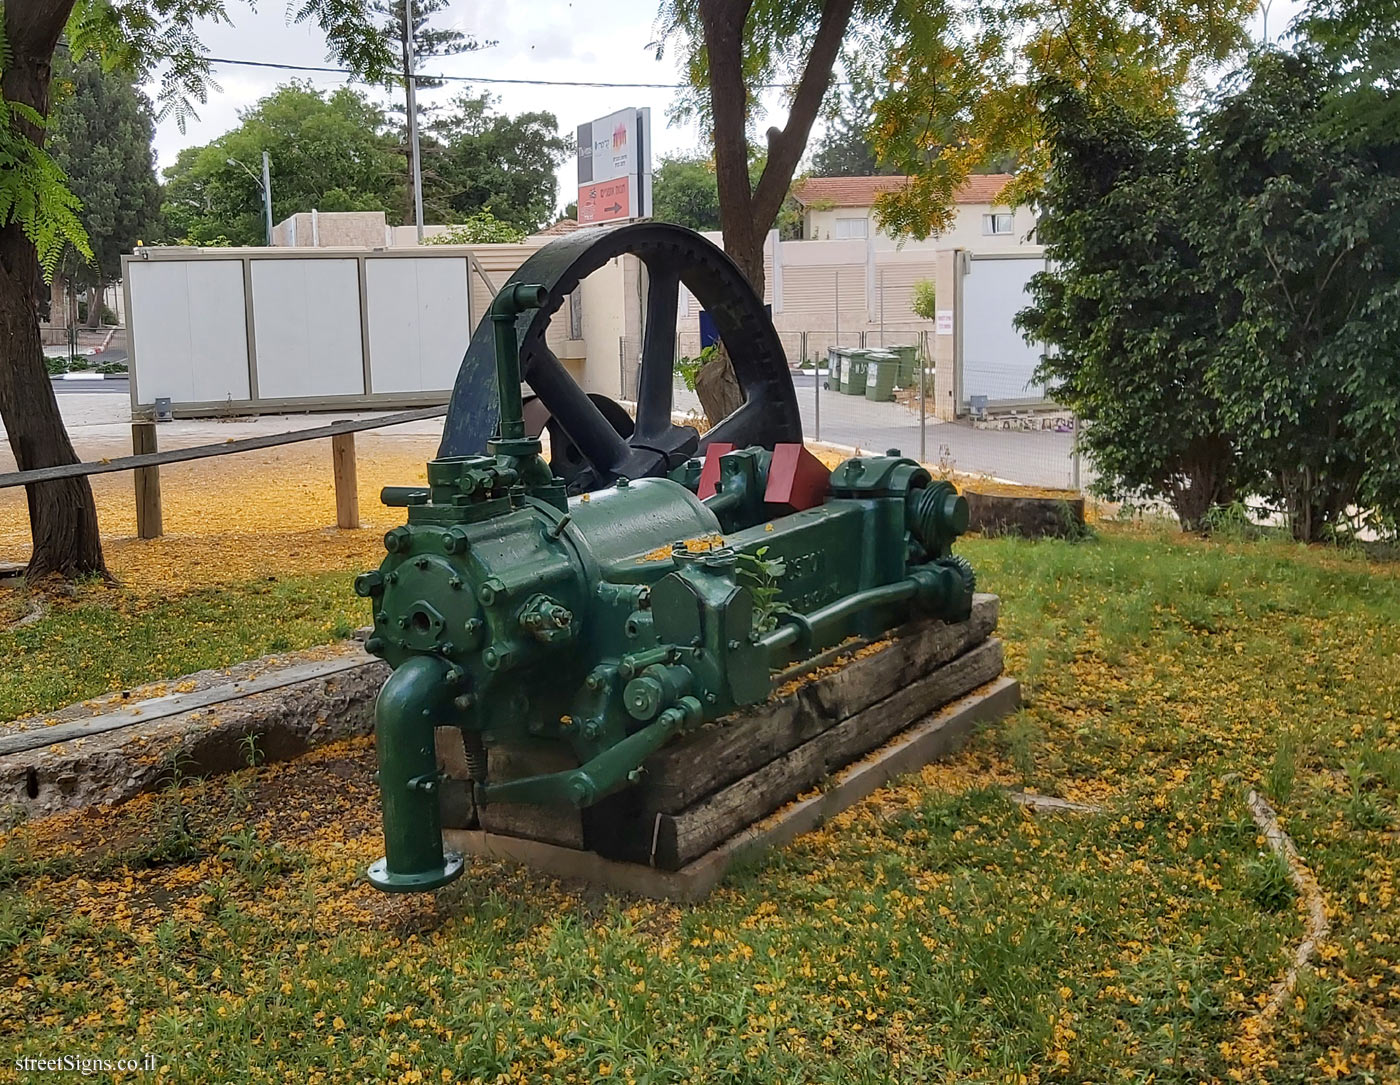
<point x="1222" y="303"/>
<point x="329" y="151"/>
<point x="150" y="39"/>
<point x="955" y="83"/>
<point x="100" y="134"/>
<point x="845" y="148"/>
<point x="336" y="152"/>
<point x="684" y="191"/>
<point x="488" y="161"/>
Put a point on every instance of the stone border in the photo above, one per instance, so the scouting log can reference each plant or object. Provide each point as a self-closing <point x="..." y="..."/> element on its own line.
<point x="911" y="749"/>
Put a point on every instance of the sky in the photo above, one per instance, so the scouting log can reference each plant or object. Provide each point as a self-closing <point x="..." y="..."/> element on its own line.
<point x="548" y="40"/>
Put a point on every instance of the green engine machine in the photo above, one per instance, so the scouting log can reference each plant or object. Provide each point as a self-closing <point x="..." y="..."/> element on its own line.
<point x="613" y="620"/>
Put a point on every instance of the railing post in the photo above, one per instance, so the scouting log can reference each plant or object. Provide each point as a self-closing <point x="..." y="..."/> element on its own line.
<point x="347" y="490"/>
<point x="816" y="392"/>
<point x="148" y="519"/>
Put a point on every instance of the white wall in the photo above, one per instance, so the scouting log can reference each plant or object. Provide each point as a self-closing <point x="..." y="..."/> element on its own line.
<point x="965" y="233"/>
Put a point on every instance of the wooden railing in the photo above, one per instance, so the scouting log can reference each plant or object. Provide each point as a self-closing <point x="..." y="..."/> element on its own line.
<point x="146" y="463"/>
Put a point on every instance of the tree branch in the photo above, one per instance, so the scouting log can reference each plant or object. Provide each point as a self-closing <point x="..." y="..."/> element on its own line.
<point x="785" y="146"/>
<point x="722" y="22"/>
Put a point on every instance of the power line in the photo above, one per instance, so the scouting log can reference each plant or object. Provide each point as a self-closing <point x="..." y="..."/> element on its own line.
<point x="352" y="77"/>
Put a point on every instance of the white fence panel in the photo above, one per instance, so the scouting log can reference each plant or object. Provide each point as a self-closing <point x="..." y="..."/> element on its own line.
<point x="307" y="328"/>
<point x="419" y="326"/>
<point x="996" y="361"/>
<point x="194" y="334"/>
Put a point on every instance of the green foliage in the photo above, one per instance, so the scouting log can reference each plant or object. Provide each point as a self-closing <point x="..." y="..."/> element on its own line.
<point x="689" y="368"/>
<point x="428" y="41"/>
<point x="1129" y="312"/>
<point x="950" y="86"/>
<point x="846" y="148"/>
<point x="1268" y="883"/>
<point x="684" y="191"/>
<point x="479" y="229"/>
<point x="761" y="574"/>
<point x="330" y="152"/>
<point x="33" y="192"/>
<point x="486" y="160"/>
<point x="1303" y="241"/>
<point x="923" y="299"/>
<point x="159" y="41"/>
<point x="100" y="134"/>
<point x="1222" y="307"/>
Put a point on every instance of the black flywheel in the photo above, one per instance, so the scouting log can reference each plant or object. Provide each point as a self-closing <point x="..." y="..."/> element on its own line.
<point x="593" y="441"/>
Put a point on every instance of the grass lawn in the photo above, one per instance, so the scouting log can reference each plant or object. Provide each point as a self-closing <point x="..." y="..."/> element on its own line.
<point x="935" y="932"/>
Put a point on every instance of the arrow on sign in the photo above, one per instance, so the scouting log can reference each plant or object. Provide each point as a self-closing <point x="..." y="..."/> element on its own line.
<point x="614" y="208"/>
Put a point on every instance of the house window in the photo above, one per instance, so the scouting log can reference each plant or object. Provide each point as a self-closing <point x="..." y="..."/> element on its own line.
<point x="851" y="227"/>
<point x="999" y="223"/>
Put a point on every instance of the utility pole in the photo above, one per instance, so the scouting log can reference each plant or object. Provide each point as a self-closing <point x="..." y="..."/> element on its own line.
<point x="412" y="88"/>
<point x="264" y="183"/>
<point x="267" y="195"/>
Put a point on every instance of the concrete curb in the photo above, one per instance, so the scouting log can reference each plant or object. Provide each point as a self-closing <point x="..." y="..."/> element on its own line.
<point x="113" y="756"/>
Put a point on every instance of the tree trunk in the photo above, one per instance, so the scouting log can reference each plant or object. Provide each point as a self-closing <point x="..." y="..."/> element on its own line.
<point x="747" y="212"/>
<point x="94" y="308"/>
<point x="62" y="516"/>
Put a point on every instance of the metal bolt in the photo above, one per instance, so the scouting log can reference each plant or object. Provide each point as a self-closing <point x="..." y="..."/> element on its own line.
<point x="455" y="583"/>
<point x="591" y="729"/>
<point x="380" y="617"/>
<point x="391" y="578"/>
<point x="623" y="482"/>
<point x="367" y="584"/>
<point x="711" y="698"/>
<point x="455" y="541"/>
<point x="403" y="622"/>
<point x="893" y="452"/>
<point x="463" y="701"/>
<point x="420" y="563"/>
<point x="733" y="645"/>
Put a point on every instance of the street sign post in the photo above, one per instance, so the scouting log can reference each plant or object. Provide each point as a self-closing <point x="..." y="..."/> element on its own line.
<point x="614" y="167"/>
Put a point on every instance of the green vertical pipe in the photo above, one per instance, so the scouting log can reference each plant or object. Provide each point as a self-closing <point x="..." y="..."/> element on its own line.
<point x="509" y="304"/>
<point x="413" y="700"/>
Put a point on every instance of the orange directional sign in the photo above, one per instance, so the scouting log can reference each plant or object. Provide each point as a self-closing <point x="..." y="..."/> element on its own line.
<point x="605" y="201"/>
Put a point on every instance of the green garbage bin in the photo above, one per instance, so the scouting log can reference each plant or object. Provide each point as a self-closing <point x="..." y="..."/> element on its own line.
<point x="853" y="383"/>
<point x="834" y="358"/>
<point x="908" y="363"/>
<point x="882" y="367"/>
